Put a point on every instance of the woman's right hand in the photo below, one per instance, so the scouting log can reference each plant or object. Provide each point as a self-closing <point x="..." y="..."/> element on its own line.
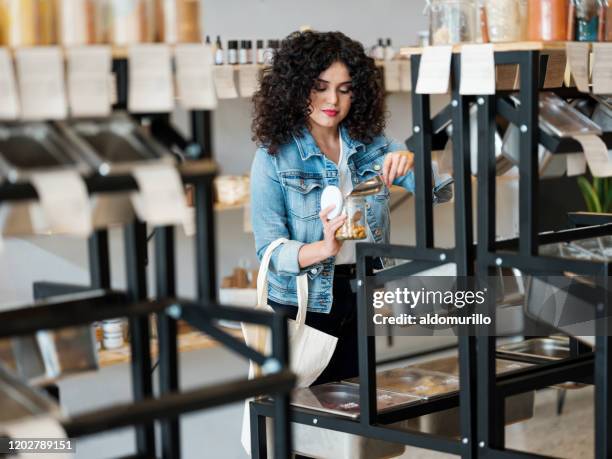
<point x="331" y="245"/>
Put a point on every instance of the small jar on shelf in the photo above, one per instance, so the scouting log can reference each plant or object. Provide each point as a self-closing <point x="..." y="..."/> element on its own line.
<point x="451" y="21"/>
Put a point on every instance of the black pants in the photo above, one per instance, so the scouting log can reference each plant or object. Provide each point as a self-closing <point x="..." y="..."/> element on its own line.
<point x="341" y="322"/>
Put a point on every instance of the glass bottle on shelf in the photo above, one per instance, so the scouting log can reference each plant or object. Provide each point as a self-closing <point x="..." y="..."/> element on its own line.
<point x="586" y="20"/>
<point x="451" y="21"/>
<point x="503" y="16"/>
<point x="547" y="20"/>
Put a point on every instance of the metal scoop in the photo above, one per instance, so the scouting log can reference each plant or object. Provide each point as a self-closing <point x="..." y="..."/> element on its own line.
<point x="368" y="187"/>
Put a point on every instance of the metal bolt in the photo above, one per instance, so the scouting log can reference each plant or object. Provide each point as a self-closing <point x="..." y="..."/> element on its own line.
<point x="481" y="444"/>
<point x="465" y="441"/>
<point x="104" y="169"/>
<point x="442" y="256"/>
<point x="498" y="261"/>
<point x="417" y="129"/>
<point x="600" y="307"/>
<point x="523" y="128"/>
<point x="271" y="366"/>
<point x="454" y="103"/>
<point x="315" y="421"/>
<point x="174" y="311"/>
<point x="359" y="283"/>
<point x="480" y="101"/>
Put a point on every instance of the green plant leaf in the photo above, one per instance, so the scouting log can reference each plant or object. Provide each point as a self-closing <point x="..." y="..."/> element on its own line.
<point x="598" y="187"/>
<point x="590" y="196"/>
<point x="608" y="201"/>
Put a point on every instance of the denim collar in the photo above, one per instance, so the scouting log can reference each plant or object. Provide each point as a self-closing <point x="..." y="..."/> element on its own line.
<point x="308" y="146"/>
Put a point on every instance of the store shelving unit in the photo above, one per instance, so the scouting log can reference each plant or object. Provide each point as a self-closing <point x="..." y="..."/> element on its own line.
<point x="97" y="301"/>
<point x="482" y="393"/>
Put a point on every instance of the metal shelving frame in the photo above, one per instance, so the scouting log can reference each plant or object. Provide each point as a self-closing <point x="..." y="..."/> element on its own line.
<point x="98" y="301"/>
<point x="481" y="395"/>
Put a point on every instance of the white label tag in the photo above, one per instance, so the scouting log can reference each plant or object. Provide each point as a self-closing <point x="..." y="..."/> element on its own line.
<point x="578" y="58"/>
<point x="434" y="70"/>
<point x="194" y="77"/>
<point x="151" y="86"/>
<point x="477" y="70"/>
<point x="576" y="164"/>
<point x="161" y="199"/>
<point x="40" y="72"/>
<point x="405" y="75"/>
<point x="555" y="69"/>
<point x="9" y="102"/>
<point x="64" y="202"/>
<point x="602" y="68"/>
<point x="596" y="154"/>
<point x="224" y="81"/>
<point x="248" y="79"/>
<point x="88" y="88"/>
<point x="392" y="76"/>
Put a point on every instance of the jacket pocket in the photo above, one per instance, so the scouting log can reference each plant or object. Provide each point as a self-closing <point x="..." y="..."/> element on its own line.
<point x="303" y="192"/>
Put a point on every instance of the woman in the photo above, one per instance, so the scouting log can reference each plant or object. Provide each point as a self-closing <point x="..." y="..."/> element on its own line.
<point x="319" y="119"/>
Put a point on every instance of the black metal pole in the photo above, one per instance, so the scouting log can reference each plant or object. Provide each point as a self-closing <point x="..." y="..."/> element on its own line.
<point x="603" y="375"/>
<point x="201" y="131"/>
<point x="282" y="427"/>
<point x="142" y="387"/>
<point x="528" y="157"/>
<point x="167" y="336"/>
<point x="464" y="255"/>
<point x="206" y="260"/>
<point x="99" y="262"/>
<point x="422" y="135"/>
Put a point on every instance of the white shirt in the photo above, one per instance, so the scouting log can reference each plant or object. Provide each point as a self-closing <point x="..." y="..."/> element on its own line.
<point x="346" y="255"/>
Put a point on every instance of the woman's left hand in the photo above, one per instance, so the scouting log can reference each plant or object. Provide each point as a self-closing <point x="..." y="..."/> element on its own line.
<point x="397" y="164"/>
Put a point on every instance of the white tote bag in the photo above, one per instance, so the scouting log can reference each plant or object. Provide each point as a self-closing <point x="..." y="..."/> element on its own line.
<point x="310" y="350"/>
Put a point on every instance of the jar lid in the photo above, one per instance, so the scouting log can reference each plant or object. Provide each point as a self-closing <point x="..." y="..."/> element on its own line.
<point x="332" y="195"/>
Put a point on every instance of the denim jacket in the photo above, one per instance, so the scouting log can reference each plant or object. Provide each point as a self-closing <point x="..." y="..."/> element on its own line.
<point x="285" y="202"/>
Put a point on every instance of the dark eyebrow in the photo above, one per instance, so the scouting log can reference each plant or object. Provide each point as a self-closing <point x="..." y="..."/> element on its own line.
<point x="344" y="82"/>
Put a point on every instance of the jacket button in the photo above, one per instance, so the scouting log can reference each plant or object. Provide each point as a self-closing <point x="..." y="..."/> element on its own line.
<point x="313" y="271"/>
<point x="377" y="232"/>
<point x="367" y="205"/>
<point x="376" y="167"/>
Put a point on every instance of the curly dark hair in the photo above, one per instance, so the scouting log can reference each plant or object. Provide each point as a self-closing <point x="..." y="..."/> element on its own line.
<point x="281" y="105"/>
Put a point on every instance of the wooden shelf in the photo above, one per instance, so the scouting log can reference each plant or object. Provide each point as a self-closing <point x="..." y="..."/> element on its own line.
<point x="191" y="341"/>
<point x="511" y="46"/>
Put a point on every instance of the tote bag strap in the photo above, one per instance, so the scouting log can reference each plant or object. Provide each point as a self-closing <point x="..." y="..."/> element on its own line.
<point x="262" y="284"/>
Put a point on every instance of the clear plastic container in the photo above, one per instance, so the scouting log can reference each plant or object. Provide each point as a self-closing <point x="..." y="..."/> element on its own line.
<point x="502" y="19"/>
<point x="452" y="21"/>
<point x="354" y="227"/>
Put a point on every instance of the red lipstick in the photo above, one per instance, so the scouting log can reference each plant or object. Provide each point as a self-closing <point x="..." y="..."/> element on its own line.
<point x="331" y="113"/>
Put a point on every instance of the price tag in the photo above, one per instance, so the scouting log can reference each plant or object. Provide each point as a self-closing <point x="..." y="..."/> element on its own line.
<point x="248" y="79"/>
<point x="602" y="68"/>
<point x="578" y="58"/>
<point x="151" y="88"/>
<point x="555" y="69"/>
<point x="477" y="70"/>
<point x="576" y="164"/>
<point x="9" y="102"/>
<point x="89" y="68"/>
<point x="506" y="76"/>
<point x="596" y="154"/>
<point x="63" y="199"/>
<point x="392" y="75"/>
<point x="434" y="70"/>
<point x="224" y="82"/>
<point x="161" y="199"/>
<point x="40" y="72"/>
<point x="194" y="76"/>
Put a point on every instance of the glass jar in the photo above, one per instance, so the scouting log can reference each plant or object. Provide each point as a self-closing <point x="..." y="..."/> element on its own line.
<point x="354" y="227"/>
<point x="586" y="20"/>
<point x="503" y="16"/>
<point x="452" y="21"/>
<point x="547" y="20"/>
